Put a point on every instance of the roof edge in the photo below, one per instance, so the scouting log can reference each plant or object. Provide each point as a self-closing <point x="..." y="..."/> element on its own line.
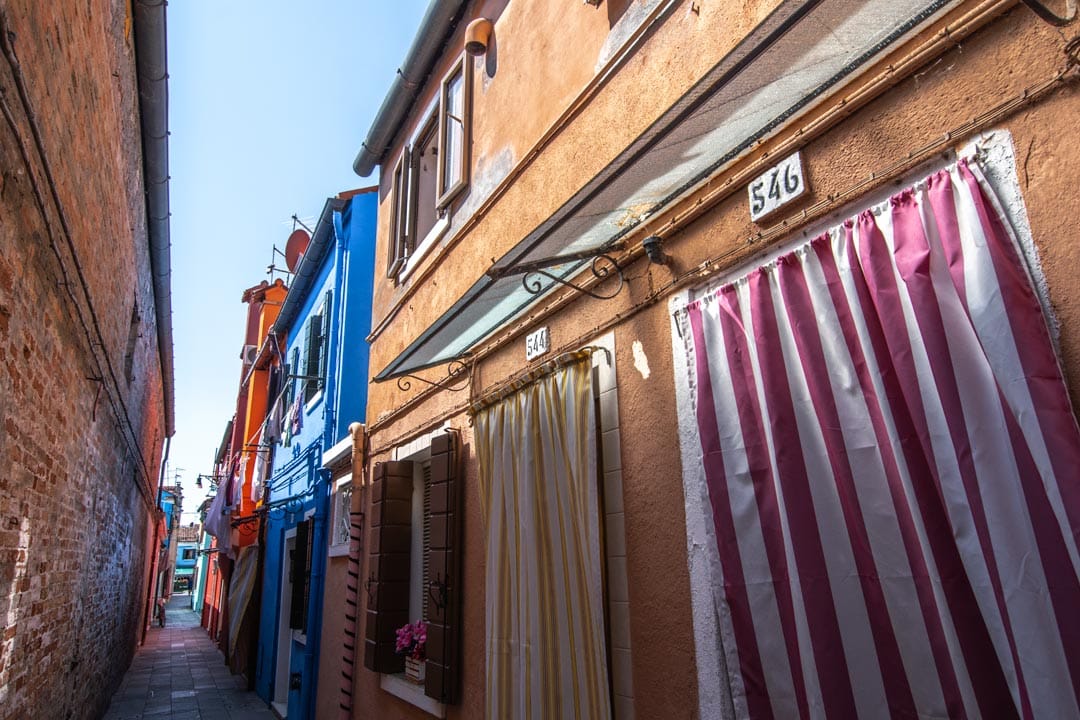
<point x="435" y="29"/>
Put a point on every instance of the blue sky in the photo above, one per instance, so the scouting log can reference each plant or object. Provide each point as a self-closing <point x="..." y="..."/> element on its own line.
<point x="268" y="104"/>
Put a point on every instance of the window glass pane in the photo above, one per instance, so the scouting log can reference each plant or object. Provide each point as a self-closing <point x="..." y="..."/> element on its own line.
<point x="454" y="131"/>
<point x="397" y="218"/>
<point x="341" y="520"/>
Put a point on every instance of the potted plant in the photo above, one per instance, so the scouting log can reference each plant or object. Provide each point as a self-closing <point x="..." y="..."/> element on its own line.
<point x="411" y="640"/>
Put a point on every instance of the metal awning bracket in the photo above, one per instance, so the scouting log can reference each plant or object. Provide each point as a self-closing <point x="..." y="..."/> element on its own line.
<point x="602" y="267"/>
<point x="457" y="378"/>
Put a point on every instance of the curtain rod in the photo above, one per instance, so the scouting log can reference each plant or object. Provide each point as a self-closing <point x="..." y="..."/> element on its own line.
<point x="528" y="377"/>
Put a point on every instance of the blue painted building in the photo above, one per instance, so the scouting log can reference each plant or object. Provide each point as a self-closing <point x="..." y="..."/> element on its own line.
<point x="324" y="320"/>
<point x="170" y="499"/>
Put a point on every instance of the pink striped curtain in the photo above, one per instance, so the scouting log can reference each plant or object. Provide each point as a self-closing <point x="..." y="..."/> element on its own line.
<point x="892" y="464"/>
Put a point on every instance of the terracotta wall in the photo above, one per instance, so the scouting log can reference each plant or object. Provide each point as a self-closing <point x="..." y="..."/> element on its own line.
<point x="1010" y="53"/>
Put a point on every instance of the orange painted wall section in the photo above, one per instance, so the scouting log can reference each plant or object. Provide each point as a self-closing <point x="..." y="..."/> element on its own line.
<point x="539" y="72"/>
<point x="256" y="404"/>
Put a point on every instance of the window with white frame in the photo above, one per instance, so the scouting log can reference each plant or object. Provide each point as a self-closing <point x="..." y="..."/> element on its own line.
<point x="340" y="517"/>
<point x="453" y="132"/>
<point x="432" y="170"/>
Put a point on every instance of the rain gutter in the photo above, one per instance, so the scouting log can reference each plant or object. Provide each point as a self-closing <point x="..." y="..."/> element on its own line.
<point x="435" y="28"/>
<point x="151" y="63"/>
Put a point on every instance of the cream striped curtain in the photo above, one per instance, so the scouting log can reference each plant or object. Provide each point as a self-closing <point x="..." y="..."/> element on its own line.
<point x="545" y="648"/>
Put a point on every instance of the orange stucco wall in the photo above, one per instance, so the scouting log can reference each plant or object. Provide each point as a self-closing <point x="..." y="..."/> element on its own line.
<point x="1008" y="54"/>
<point x="255" y="405"/>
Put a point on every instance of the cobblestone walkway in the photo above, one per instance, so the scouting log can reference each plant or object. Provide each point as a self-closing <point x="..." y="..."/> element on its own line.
<point x="180" y="674"/>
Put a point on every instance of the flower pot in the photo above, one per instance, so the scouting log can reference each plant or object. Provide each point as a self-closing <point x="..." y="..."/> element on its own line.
<point x="414" y="670"/>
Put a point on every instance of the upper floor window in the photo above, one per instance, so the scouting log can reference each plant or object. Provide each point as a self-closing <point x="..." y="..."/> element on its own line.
<point x="432" y="170"/>
<point x="453" y="132"/>
<point x="315" y="351"/>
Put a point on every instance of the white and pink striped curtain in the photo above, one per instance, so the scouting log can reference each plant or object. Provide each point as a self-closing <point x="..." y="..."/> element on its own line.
<point x="892" y="466"/>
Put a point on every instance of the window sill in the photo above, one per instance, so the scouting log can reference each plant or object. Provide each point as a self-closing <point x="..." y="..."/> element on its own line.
<point x="437" y="231"/>
<point x="310" y="404"/>
<point x="338" y="550"/>
<point x="399" y="687"/>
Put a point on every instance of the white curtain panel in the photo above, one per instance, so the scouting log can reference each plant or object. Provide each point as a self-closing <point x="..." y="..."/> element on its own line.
<point x="892" y="466"/>
<point x="545" y="648"/>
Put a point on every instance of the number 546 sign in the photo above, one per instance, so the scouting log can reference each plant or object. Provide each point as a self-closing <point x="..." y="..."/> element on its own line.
<point x="777" y="186"/>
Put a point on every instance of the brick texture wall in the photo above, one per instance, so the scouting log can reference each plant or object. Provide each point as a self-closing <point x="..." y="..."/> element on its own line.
<point x="81" y="419"/>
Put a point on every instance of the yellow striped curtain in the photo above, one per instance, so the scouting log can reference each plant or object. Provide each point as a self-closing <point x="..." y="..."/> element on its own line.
<point x="545" y="649"/>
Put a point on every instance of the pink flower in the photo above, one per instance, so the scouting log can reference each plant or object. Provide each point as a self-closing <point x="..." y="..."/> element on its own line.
<point x="411" y="639"/>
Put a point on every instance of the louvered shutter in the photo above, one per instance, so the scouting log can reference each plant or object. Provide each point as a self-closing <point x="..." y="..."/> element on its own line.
<point x="387" y="583"/>
<point x="324" y="338"/>
<point x="444" y="591"/>
<point x="299" y="576"/>
<point x="312" y="358"/>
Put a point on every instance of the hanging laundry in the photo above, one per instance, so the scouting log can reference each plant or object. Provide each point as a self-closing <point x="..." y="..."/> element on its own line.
<point x="272" y="428"/>
<point x="297" y="420"/>
<point x="238" y="484"/>
<point x="262" y="458"/>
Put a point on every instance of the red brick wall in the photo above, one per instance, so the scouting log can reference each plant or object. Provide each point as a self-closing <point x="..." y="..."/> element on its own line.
<point x="78" y="456"/>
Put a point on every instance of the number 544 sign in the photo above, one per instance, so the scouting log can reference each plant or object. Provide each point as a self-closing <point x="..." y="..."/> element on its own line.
<point x="777" y="186"/>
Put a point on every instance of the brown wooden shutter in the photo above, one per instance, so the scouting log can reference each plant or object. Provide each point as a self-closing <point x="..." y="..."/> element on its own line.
<point x="444" y="591"/>
<point x="387" y="583"/>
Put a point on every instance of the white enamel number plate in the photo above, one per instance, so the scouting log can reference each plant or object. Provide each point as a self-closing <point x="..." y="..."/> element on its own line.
<point x="777" y="186"/>
<point x="537" y="343"/>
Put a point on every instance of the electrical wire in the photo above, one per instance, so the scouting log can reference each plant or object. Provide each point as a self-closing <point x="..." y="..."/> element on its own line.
<point x="92" y="329"/>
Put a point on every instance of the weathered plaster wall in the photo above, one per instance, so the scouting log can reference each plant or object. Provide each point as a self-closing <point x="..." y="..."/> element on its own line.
<point x="1011" y="53"/>
<point x="328" y="692"/>
<point x="78" y="455"/>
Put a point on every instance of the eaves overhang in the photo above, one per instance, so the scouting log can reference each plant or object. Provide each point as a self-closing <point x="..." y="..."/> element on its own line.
<point x="803" y="52"/>
<point x="436" y="28"/>
<point x="322" y="239"/>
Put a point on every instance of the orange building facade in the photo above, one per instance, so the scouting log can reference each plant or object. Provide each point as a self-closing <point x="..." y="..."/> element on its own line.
<point x="581" y="132"/>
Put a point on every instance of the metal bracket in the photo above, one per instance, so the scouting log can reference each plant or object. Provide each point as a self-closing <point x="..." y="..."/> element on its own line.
<point x="457" y="377"/>
<point x="1051" y="17"/>
<point x="603" y="266"/>
<point x="438" y="590"/>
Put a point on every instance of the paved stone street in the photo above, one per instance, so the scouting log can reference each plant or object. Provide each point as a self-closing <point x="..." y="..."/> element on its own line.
<point x="180" y="674"/>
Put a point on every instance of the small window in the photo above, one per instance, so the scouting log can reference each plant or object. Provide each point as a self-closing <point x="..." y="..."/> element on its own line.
<point x="432" y="170"/>
<point x="425" y="159"/>
<point x="316" y="351"/>
<point x="454" y="124"/>
<point x="399" y="236"/>
<point x="340" y="517"/>
<point x="188" y="554"/>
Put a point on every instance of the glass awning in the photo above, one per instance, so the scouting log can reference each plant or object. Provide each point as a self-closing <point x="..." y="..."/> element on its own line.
<point x="799" y="53"/>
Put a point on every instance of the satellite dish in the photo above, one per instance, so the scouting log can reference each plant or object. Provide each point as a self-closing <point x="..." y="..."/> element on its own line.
<point x="295" y="247"/>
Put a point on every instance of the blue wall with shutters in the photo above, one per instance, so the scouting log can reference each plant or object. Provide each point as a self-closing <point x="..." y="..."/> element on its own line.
<point x="299" y="487"/>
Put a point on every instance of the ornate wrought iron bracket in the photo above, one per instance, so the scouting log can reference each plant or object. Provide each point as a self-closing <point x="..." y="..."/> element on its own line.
<point x="457" y="377"/>
<point x="603" y="266"/>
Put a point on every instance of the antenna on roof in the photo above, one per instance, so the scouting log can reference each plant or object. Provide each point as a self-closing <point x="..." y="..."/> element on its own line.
<point x="273" y="268"/>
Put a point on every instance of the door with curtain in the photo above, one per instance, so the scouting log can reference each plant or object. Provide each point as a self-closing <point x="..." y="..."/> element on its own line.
<point x="545" y="647"/>
<point x="891" y="462"/>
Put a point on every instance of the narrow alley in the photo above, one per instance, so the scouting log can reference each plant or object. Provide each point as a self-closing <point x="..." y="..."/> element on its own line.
<point x="496" y="359"/>
<point x="180" y="674"/>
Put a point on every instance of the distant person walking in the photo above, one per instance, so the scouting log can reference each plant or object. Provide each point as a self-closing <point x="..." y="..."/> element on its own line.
<point x="161" y="601"/>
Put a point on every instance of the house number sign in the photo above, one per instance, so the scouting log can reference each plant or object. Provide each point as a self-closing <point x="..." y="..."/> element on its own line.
<point x="537" y="343"/>
<point x="777" y="186"/>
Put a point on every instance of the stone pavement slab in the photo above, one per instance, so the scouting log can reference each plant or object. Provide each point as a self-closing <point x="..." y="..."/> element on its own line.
<point x="179" y="674"/>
